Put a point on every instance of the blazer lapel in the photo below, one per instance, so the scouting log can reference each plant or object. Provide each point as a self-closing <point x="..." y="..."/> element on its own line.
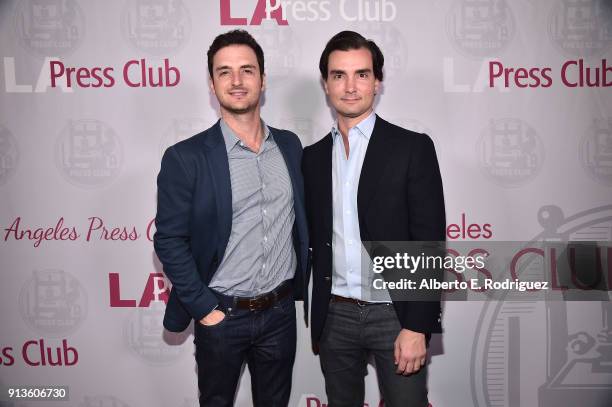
<point x="296" y="181"/>
<point x="324" y="181"/>
<point x="376" y="160"/>
<point x="218" y="164"/>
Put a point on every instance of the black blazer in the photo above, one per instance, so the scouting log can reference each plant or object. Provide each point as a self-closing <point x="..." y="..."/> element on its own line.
<point x="399" y="198"/>
<point x="194" y="219"/>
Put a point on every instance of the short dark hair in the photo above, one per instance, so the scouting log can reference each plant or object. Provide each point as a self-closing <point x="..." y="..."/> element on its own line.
<point x="347" y="40"/>
<point x="235" y="37"/>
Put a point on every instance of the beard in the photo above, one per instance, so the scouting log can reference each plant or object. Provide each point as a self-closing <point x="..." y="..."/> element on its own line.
<point x="238" y="110"/>
<point x="238" y="107"/>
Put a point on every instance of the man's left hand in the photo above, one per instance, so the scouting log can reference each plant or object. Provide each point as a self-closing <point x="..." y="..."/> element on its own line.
<point x="410" y="352"/>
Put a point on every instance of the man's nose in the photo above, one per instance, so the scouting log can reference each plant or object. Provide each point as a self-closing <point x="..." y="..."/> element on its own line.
<point x="350" y="85"/>
<point x="236" y="78"/>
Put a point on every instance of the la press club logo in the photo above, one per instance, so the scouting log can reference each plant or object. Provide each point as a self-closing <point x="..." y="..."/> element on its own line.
<point x="282" y="12"/>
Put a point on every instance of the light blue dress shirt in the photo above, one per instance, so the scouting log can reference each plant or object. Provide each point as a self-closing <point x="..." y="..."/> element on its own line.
<point x="348" y="256"/>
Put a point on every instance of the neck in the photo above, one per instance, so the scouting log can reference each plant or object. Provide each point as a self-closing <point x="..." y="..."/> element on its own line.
<point x="345" y="123"/>
<point x="247" y="126"/>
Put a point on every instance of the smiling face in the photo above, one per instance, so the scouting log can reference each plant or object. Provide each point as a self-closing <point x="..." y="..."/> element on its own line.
<point x="351" y="85"/>
<point x="236" y="79"/>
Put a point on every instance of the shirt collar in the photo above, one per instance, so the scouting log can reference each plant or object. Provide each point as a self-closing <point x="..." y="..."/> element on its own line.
<point x="364" y="127"/>
<point x="231" y="139"/>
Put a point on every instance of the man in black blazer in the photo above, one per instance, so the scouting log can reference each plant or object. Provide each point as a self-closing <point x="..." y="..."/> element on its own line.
<point x="232" y="235"/>
<point x="367" y="180"/>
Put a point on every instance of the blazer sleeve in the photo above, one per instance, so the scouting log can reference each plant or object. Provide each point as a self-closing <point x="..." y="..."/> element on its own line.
<point x="172" y="240"/>
<point x="427" y="223"/>
<point x="425" y="194"/>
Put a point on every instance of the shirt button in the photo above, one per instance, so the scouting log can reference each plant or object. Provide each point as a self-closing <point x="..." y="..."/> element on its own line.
<point x="258" y="158"/>
<point x="264" y="211"/>
<point x="350" y="242"/>
<point x="348" y="212"/>
<point x="263" y="185"/>
<point x="263" y="266"/>
<point x="265" y="238"/>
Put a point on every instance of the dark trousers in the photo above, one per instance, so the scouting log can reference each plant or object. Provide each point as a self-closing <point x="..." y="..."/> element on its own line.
<point x="352" y="333"/>
<point x="265" y="340"/>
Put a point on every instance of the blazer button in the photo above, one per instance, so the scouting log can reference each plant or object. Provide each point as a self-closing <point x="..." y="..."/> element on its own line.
<point x="327" y="244"/>
<point x="327" y="278"/>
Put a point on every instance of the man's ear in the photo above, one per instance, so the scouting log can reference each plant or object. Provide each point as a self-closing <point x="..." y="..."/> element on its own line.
<point x="263" y="82"/>
<point x="211" y="84"/>
<point x="376" y="86"/>
<point x="325" y="86"/>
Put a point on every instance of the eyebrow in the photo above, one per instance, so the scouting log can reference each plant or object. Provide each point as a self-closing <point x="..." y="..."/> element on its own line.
<point x="358" y="71"/>
<point x="220" y="68"/>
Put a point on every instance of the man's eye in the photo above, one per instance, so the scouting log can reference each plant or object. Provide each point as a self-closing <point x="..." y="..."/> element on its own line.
<point x="363" y="75"/>
<point x="248" y="71"/>
<point x="223" y="73"/>
<point x="337" y="76"/>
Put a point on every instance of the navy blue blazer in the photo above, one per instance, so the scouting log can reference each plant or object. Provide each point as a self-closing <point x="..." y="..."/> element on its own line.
<point x="194" y="220"/>
<point x="399" y="198"/>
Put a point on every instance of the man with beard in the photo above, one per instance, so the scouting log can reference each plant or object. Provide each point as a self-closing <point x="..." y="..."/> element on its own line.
<point x="232" y="235"/>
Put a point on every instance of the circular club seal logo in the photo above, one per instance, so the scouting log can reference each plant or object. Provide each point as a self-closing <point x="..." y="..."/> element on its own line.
<point x="530" y="353"/>
<point x="510" y="152"/>
<point x="88" y="153"/>
<point x="53" y="302"/>
<point x="145" y="337"/>
<point x="596" y="151"/>
<point x="283" y="51"/>
<point x="9" y="155"/>
<point x="480" y="28"/>
<point x="581" y="27"/>
<point x="54" y="27"/>
<point x="391" y="43"/>
<point x="102" y="401"/>
<point x="156" y="27"/>
<point x="179" y="130"/>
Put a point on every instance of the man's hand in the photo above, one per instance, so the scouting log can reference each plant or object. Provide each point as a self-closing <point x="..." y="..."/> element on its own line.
<point x="213" y="318"/>
<point x="410" y="352"/>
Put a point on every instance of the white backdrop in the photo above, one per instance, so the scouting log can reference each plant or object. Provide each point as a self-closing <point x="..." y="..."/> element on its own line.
<point x="81" y="140"/>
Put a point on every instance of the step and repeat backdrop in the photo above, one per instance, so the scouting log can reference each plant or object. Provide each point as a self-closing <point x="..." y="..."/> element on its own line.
<point x="516" y="95"/>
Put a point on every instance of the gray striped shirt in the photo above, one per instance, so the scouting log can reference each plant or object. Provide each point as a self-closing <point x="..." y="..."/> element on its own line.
<point x="259" y="254"/>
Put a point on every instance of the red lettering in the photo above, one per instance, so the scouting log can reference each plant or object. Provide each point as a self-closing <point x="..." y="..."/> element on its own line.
<point x="126" y="78"/>
<point x="55" y="74"/>
<point x="155" y="290"/>
<point x="107" y="72"/>
<point x="493" y="74"/>
<point x="564" y="79"/>
<point x="115" y="293"/>
<point x="226" y="17"/>
<point x="150" y="228"/>
<point x="7" y="357"/>
<point x="94" y="220"/>
<point x="517" y="257"/>
<point x="69" y="351"/>
<point x="24" y="353"/>
<point x="276" y="12"/>
<point x="168" y="70"/>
